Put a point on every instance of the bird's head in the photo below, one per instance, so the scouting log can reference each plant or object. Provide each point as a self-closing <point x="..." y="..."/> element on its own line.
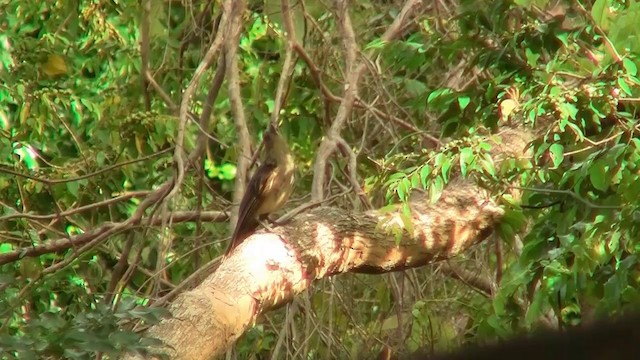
<point x="274" y="143"/>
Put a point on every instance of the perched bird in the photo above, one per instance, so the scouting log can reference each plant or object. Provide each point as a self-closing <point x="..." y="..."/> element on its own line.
<point x="269" y="188"/>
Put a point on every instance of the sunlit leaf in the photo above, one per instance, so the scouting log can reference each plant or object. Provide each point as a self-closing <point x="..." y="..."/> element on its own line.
<point x="556" y="152"/>
<point x="424" y="175"/>
<point x="624" y="86"/>
<point x="630" y="66"/>
<point x="507" y="107"/>
<point x="600" y="13"/>
<point x="466" y="158"/>
<point x="463" y="102"/>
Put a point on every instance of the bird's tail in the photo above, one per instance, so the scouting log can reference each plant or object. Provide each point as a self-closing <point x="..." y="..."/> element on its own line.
<point x="242" y="231"/>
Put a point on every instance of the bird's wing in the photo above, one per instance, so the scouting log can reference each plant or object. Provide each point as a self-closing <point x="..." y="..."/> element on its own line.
<point x="250" y="204"/>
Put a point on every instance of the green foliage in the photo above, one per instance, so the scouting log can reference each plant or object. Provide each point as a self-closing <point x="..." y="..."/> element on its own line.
<point x="579" y="256"/>
<point x="74" y="334"/>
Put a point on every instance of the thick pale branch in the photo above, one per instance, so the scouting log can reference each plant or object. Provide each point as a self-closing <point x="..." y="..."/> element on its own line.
<point x="271" y="267"/>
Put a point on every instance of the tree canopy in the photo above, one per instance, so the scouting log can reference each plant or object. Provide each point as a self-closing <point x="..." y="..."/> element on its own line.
<point x="128" y="130"/>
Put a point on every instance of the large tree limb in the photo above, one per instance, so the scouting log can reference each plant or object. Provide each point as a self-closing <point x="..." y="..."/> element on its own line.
<point x="271" y="267"/>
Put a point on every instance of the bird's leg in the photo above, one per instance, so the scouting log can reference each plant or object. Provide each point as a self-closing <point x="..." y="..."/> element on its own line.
<point x="268" y="223"/>
<point x="277" y="223"/>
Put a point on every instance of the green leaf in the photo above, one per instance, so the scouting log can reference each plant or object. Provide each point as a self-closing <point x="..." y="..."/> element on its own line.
<point x="463" y="101"/>
<point x="415" y="180"/>
<point x="5" y="248"/>
<point x="437" y="93"/>
<point x="407" y="221"/>
<point x="532" y="58"/>
<point x="488" y="166"/>
<point x="424" y="175"/>
<point x="630" y="66"/>
<point x="568" y="110"/>
<point x="466" y="158"/>
<point x="378" y="43"/>
<point x="415" y="88"/>
<point x="446" y="166"/>
<point x="598" y="175"/>
<point x="435" y="190"/>
<point x="404" y="188"/>
<point x="622" y="83"/>
<point x="536" y="308"/>
<point x="73" y="187"/>
<point x="227" y="171"/>
<point x="556" y="151"/>
<point x="600" y="13"/>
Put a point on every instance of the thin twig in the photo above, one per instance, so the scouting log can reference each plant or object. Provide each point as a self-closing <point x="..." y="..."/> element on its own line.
<point x="119" y="269"/>
<point x="288" y="65"/>
<point x="354" y="73"/>
<point x="234" y="9"/>
<point x="85" y="176"/>
<point x="569" y="193"/>
<point x="183" y="113"/>
<point x="207" y="110"/>
<point x="353" y="173"/>
<point x="328" y="144"/>
<point x="92" y="206"/>
<point x="65" y="244"/>
<point x="144" y="52"/>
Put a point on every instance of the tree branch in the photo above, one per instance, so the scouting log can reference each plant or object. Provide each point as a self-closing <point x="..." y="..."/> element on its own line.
<point x="183" y="113"/>
<point x="234" y="9"/>
<point x="329" y="143"/>
<point x="107" y="228"/>
<point x="270" y="267"/>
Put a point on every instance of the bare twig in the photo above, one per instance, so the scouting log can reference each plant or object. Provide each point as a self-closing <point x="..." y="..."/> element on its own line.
<point x="119" y="269"/>
<point x="174" y="108"/>
<point x="183" y="113"/>
<point x="572" y="194"/>
<point x="65" y="244"/>
<point x="608" y="44"/>
<point x="353" y="174"/>
<point x="124" y="196"/>
<point x="207" y="110"/>
<point x="144" y="52"/>
<point x="473" y="279"/>
<point x="287" y="66"/>
<point x="328" y="145"/>
<point x="354" y="73"/>
<point x="85" y="176"/>
<point x="203" y="142"/>
<point x="163" y="94"/>
<point x="234" y="10"/>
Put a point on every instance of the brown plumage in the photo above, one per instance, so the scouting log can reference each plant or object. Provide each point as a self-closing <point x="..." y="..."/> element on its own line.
<point x="269" y="187"/>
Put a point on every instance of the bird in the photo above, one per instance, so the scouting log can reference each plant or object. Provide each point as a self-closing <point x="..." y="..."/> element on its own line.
<point x="269" y="187"/>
